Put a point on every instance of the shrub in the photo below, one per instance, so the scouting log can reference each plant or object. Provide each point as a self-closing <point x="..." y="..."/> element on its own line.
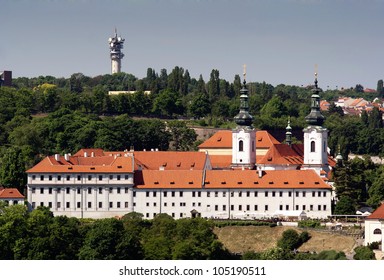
<point x="364" y="253"/>
<point x="309" y="224"/>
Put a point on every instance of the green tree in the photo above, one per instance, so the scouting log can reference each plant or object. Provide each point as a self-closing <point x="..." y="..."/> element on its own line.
<point x="364" y="253"/>
<point x="12" y="172"/>
<point x="182" y="137"/>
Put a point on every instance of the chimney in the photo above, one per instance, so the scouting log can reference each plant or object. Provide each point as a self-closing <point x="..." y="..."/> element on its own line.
<point x="93" y="154"/>
<point x="260" y="172"/>
<point x="57" y="157"/>
<point x="66" y="157"/>
<point x="85" y="154"/>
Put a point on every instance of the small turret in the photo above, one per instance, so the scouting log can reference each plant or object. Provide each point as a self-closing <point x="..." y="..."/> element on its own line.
<point x="288" y="133"/>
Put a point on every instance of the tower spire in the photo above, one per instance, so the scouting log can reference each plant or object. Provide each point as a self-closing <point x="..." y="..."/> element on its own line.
<point x="288" y="133"/>
<point x="315" y="117"/>
<point x="115" y="45"/>
<point x="244" y="118"/>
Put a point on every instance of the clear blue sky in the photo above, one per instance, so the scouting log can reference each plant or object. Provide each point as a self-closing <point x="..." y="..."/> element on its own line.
<point x="280" y="41"/>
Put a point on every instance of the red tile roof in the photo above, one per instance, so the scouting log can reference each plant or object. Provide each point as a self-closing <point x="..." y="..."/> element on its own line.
<point x="170" y="160"/>
<point x="77" y="164"/>
<point x="378" y="213"/>
<point x="219" y="179"/>
<point x="223" y="139"/>
<point x="274" y="179"/>
<point x="168" y="179"/>
<point x="282" y="154"/>
<point x="9" y="193"/>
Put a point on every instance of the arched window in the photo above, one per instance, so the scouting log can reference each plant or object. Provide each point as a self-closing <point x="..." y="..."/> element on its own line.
<point x="313" y="148"/>
<point x="241" y="146"/>
<point x="377" y="231"/>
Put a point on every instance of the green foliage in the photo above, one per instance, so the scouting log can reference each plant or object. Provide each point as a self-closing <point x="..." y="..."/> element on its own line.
<point x="364" y="253"/>
<point x="330" y="255"/>
<point x="345" y="206"/>
<point x="291" y="240"/>
<point x="309" y="223"/>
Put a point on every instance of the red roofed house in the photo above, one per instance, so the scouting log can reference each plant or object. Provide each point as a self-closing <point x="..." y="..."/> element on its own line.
<point x="241" y="173"/>
<point x="11" y="196"/>
<point x="374" y="227"/>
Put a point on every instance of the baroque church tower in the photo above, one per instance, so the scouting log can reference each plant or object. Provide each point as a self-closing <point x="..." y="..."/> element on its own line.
<point x="243" y="136"/>
<point x="315" y="136"/>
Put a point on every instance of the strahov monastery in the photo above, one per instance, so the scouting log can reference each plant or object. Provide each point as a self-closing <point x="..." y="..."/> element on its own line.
<point x="239" y="174"/>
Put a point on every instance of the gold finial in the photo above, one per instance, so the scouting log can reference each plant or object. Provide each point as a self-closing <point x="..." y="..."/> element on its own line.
<point x="244" y="71"/>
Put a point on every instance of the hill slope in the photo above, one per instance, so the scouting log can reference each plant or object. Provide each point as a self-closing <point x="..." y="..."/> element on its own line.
<point x="239" y="239"/>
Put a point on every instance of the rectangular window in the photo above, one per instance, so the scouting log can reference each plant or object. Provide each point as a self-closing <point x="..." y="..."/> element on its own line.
<point x="311" y="207"/>
<point x="67" y="205"/>
<point x="216" y="194"/>
<point x="59" y="204"/>
<point x="319" y="194"/>
<point x="208" y="194"/>
<point x="240" y="207"/>
<point x="224" y="207"/>
<point x="134" y="194"/>
<point x="289" y="194"/>
<point x="181" y="194"/>
<point x="147" y="204"/>
<point x="78" y="204"/>
<point x="165" y="194"/>
<point x="216" y="207"/>
<point x="266" y="207"/>
<point x="100" y="190"/>
<point x="110" y="204"/>
<point x="232" y="207"/>
<point x="304" y="193"/>
<point x="78" y="191"/>
<point x="100" y="204"/>
<point x="126" y="177"/>
<point x="50" y="177"/>
<point x="304" y="207"/>
<point x="33" y="190"/>
<point x="248" y="207"/>
<point x="324" y="194"/>
<point x="313" y="194"/>
<point x="248" y="194"/>
<point x="281" y="194"/>
<point x="58" y="190"/>
<point x="118" y="204"/>
<point x="118" y="190"/>
<point x="78" y="177"/>
<point x="173" y="194"/>
<point x="100" y="177"/>
<point x="59" y="178"/>
<point x="280" y="207"/>
<point x="50" y="204"/>
<point x="89" y="190"/>
<point x="89" y="177"/>
<point x="89" y="204"/>
<point x="68" y="177"/>
<point x="199" y="204"/>
<point x="41" y="203"/>
<point x="67" y="190"/>
<point x="240" y="193"/>
<point x="193" y="194"/>
<point x="256" y="194"/>
<point x="232" y="194"/>
<point x="41" y="190"/>
<point x="256" y="208"/>
<point x="126" y="190"/>
<point x="126" y="204"/>
<point x="319" y="207"/>
<point x="198" y="194"/>
<point x="324" y="207"/>
<point x="110" y="177"/>
<point x="297" y="207"/>
<point x="118" y="177"/>
<point x="297" y="194"/>
<point x="154" y="204"/>
<point x="224" y="194"/>
<point x="33" y="205"/>
<point x="33" y="177"/>
<point x="42" y="178"/>
<point x="110" y="190"/>
<point x="266" y="194"/>
<point x="273" y="194"/>
<point x="50" y="190"/>
<point x="287" y="207"/>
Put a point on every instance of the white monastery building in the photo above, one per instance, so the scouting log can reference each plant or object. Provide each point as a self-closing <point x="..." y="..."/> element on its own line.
<point x="241" y="173"/>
